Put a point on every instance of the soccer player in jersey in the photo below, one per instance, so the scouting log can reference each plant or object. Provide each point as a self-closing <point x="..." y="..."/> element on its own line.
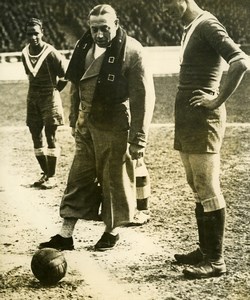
<point x="200" y="123"/>
<point x="44" y="66"/>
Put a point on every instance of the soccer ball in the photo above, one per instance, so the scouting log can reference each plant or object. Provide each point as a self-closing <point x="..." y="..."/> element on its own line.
<point x="48" y="265"/>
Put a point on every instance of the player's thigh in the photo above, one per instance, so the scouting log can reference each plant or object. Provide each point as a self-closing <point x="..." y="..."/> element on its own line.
<point x="36" y="129"/>
<point x="206" y="172"/>
<point x="188" y="169"/>
<point x="51" y="109"/>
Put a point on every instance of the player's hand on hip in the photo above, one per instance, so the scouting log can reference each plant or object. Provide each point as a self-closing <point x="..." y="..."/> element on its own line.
<point x="136" y="151"/>
<point x="203" y="99"/>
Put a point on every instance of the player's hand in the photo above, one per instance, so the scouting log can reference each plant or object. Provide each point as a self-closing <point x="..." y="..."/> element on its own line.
<point x="136" y="151"/>
<point x="203" y="99"/>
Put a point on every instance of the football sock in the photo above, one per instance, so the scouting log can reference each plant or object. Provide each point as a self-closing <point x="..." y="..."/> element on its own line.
<point x="68" y="227"/>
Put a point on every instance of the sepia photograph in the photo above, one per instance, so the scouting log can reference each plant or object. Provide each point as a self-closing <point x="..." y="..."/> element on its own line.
<point x="125" y="149"/>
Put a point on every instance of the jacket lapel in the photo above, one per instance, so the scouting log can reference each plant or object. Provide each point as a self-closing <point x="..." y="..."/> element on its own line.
<point x="94" y="68"/>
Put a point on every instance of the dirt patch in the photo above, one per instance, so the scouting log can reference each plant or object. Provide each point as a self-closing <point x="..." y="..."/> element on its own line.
<point x="140" y="267"/>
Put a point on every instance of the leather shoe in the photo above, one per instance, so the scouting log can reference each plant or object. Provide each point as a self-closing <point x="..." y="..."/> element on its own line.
<point x="41" y="180"/>
<point x="58" y="242"/>
<point x="206" y="269"/>
<point x="106" y="242"/>
<point x="191" y="258"/>
<point x="50" y="183"/>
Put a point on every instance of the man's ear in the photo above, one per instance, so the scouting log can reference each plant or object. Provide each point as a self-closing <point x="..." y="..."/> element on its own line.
<point x="117" y="22"/>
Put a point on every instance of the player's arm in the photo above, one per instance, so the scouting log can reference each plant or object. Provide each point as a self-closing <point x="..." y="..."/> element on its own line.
<point x="236" y="71"/>
<point x="60" y="67"/>
<point x="234" y="76"/>
<point x="216" y="35"/>
<point x="25" y="64"/>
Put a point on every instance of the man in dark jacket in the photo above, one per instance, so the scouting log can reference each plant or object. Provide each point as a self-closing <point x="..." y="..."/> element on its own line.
<point x="108" y="71"/>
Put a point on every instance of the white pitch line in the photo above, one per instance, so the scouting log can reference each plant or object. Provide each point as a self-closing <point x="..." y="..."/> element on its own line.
<point x="100" y="284"/>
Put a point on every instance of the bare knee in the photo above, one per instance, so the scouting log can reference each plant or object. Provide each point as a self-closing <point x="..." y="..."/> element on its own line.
<point x="207" y="187"/>
<point x="50" y="132"/>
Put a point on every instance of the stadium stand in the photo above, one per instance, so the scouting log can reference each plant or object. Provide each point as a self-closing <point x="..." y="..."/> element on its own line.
<point x="65" y="21"/>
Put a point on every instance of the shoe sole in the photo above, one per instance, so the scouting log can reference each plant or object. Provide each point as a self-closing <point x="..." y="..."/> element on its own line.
<point x="44" y="187"/>
<point x="37" y="184"/>
<point x="57" y="248"/>
<point x="104" y="249"/>
<point x="189" y="275"/>
<point x="187" y="263"/>
<point x="135" y="223"/>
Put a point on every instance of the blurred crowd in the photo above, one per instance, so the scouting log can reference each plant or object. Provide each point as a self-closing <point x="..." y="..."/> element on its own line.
<point x="66" y="20"/>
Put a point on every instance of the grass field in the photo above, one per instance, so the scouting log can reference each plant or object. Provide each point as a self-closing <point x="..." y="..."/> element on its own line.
<point x="13" y="99"/>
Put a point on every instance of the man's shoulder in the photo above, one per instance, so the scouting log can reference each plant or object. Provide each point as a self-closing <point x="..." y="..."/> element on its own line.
<point x="51" y="48"/>
<point x="133" y="44"/>
<point x="53" y="51"/>
<point x="211" y="21"/>
<point x="25" y="49"/>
